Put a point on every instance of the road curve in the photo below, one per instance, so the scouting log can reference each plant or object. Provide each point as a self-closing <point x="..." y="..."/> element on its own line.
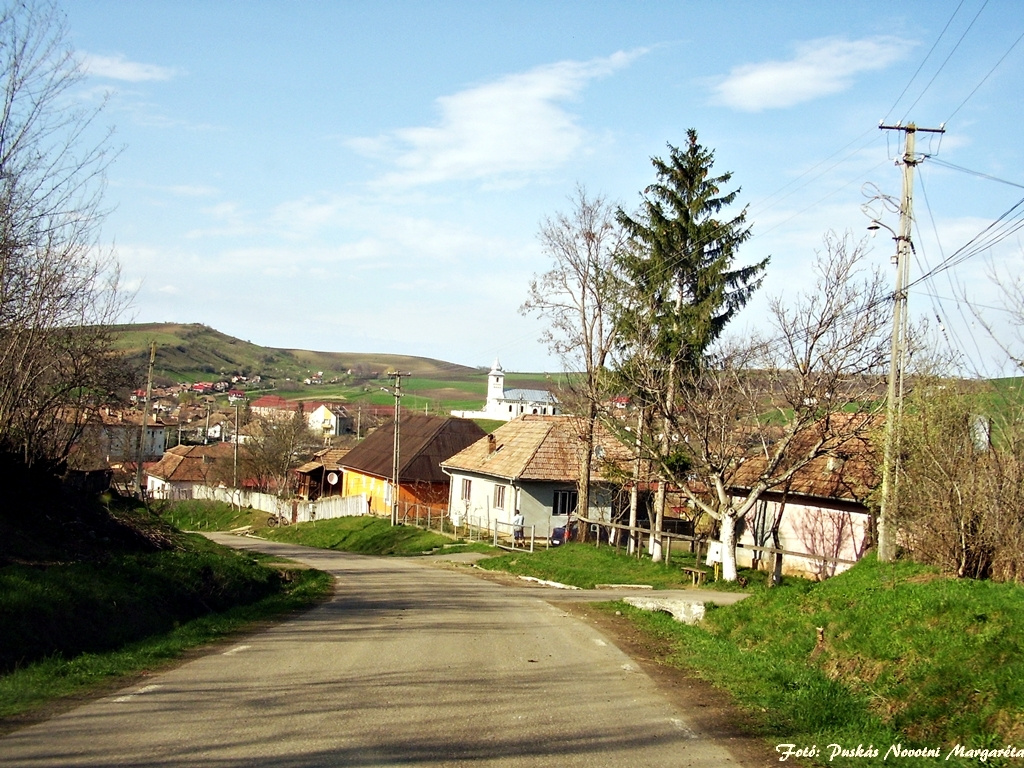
<point x="406" y="665"/>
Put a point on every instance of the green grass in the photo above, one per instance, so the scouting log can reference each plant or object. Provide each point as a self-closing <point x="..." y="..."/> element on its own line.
<point x="201" y="515"/>
<point x="74" y="627"/>
<point x="365" y="535"/>
<point x="584" y="565"/>
<point x="908" y="657"/>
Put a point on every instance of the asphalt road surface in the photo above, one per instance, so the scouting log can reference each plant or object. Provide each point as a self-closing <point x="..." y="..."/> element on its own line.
<point x="407" y="665"/>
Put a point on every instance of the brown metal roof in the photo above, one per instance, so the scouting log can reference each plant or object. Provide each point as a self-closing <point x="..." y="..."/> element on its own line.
<point x="426" y="441"/>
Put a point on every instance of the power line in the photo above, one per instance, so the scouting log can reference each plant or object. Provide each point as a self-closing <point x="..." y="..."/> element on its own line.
<point x="979" y="174"/>
<point x="924" y="61"/>
<point x="986" y="77"/>
<point x="946" y="60"/>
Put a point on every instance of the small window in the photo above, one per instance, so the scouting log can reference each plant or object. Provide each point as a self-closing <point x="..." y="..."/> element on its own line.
<point x="564" y="502"/>
<point x="466" y="487"/>
<point x="499" y="497"/>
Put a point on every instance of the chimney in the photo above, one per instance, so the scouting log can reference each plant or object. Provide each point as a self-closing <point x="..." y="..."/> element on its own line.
<point x="491" y="444"/>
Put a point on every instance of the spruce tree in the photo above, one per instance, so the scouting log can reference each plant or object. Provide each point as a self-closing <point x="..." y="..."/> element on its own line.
<point x="681" y="287"/>
<point x="685" y="285"/>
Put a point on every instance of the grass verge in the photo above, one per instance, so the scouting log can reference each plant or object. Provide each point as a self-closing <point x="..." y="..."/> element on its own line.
<point x="585" y="566"/>
<point x="905" y="658"/>
<point x="368" y="536"/>
<point x="70" y="628"/>
<point x="365" y="535"/>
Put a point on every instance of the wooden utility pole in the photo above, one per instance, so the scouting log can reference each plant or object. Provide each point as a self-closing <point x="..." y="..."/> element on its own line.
<point x="897" y="360"/>
<point x="397" y="445"/>
<point x="145" y="419"/>
<point x="234" y="455"/>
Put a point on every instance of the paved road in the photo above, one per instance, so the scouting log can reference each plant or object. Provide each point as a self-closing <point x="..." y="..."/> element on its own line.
<point x="407" y="665"/>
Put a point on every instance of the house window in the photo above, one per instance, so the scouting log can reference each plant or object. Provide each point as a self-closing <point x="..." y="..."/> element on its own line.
<point x="499" y="497"/>
<point x="466" y="485"/>
<point x="564" y="502"/>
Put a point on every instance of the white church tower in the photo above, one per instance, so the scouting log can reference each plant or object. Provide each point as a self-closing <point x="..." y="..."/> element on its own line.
<point x="495" y="385"/>
<point x="506" y="404"/>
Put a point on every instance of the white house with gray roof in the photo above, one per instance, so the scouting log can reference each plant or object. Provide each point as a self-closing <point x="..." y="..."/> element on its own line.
<point x="506" y="404"/>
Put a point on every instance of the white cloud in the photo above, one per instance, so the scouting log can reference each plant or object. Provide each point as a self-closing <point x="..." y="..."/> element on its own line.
<point x="119" y="68"/>
<point x="513" y="127"/>
<point x="819" y="68"/>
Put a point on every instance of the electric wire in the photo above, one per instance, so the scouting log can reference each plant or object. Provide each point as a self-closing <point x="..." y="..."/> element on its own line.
<point x="956" y="344"/>
<point x="924" y="60"/>
<point x="986" y="77"/>
<point x="945" y="61"/>
<point x="979" y="174"/>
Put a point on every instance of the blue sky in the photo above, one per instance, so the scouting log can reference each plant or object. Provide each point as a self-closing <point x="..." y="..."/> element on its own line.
<point x="371" y="176"/>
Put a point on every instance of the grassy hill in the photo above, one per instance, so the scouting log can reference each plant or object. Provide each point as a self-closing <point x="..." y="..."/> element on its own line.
<point x="193" y="352"/>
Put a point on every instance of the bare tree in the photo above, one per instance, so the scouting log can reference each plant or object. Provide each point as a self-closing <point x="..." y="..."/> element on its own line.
<point x="758" y="411"/>
<point x="58" y="288"/>
<point x="275" y="446"/>
<point x="575" y="296"/>
<point x="962" y="479"/>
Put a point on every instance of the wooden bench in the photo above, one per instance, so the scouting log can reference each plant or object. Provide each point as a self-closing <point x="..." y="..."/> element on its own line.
<point x="698" y="574"/>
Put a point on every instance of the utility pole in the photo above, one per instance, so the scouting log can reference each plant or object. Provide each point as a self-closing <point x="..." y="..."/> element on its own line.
<point x="396" y="452"/>
<point x="897" y="360"/>
<point x="234" y="458"/>
<point x="145" y="414"/>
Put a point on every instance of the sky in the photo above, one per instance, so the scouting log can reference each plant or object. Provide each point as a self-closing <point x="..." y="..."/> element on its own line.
<point x="371" y="176"/>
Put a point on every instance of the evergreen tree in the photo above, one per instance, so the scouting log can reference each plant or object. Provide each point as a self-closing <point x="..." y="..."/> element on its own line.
<point x="681" y="287"/>
<point x="685" y="287"/>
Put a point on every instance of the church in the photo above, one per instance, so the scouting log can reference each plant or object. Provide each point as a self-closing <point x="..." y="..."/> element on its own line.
<point x="506" y="404"/>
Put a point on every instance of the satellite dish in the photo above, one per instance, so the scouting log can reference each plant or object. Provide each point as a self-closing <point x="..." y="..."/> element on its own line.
<point x="332" y="478"/>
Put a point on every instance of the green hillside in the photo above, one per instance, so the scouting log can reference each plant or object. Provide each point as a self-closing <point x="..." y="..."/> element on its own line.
<point x="194" y="352"/>
<point x="197" y="352"/>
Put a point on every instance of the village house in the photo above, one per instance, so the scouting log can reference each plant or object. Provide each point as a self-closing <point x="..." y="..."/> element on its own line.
<point x="321" y="476"/>
<point x="532" y="464"/>
<point x="821" y="516"/>
<point x="425" y="442"/>
<point x="184" y="467"/>
<point x="118" y="433"/>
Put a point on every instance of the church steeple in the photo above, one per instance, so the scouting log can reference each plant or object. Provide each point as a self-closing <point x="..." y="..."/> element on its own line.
<point x="495" y="382"/>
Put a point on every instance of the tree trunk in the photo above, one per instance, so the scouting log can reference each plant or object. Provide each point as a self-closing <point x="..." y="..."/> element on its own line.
<point x="728" y="538"/>
<point x="586" y="461"/>
<point x="634" y="492"/>
<point x="634" y="500"/>
<point x="657" y="522"/>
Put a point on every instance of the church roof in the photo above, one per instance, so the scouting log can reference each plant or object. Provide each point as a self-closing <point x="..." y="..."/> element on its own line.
<point x="529" y="396"/>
